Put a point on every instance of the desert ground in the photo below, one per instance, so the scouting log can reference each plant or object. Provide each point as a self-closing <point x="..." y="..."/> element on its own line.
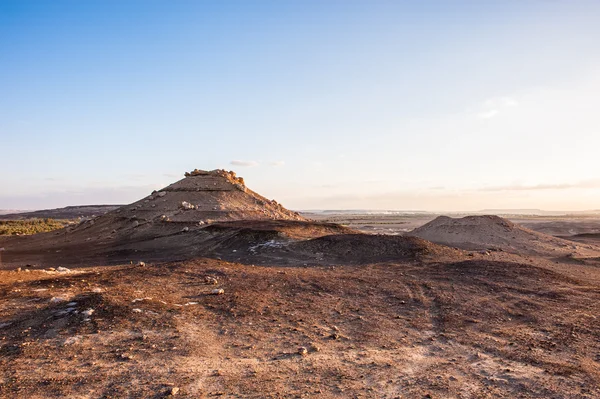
<point x="207" y="289"/>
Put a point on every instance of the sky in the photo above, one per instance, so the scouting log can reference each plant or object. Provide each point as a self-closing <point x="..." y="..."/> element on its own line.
<point x="398" y="105"/>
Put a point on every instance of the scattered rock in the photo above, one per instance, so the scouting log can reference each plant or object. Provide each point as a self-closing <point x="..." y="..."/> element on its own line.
<point x="218" y="291"/>
<point x="71" y="340"/>
<point x="174" y="391"/>
<point x="141" y="264"/>
<point x="302" y="351"/>
<point x="57" y="299"/>
<point x="187" y="206"/>
<point x="88" y="312"/>
<point x="136" y="310"/>
<point x="211" y="280"/>
<point x="162" y="194"/>
<point x="61" y="269"/>
<point x="185" y="229"/>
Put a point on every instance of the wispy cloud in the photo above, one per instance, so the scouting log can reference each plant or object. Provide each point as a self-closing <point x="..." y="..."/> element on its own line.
<point x="277" y="163"/>
<point x="238" y="162"/>
<point x="487" y="114"/>
<point x="493" y="106"/>
<point x="554" y="186"/>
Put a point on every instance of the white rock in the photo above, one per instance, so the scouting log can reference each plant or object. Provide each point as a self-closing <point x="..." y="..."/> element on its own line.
<point x="61" y="269"/>
<point x="162" y="194"/>
<point x="187" y="205"/>
<point x="218" y="291"/>
<point x="88" y="312"/>
<point x="136" y="310"/>
<point x="185" y="229"/>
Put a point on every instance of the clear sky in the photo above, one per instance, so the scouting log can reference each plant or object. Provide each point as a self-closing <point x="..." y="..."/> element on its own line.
<point x="428" y="105"/>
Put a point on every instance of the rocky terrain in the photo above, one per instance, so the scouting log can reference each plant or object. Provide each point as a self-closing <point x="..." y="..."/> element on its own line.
<point x="206" y="289"/>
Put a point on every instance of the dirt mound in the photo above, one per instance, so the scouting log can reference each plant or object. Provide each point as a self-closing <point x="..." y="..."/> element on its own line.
<point x="494" y="232"/>
<point x="204" y="196"/>
<point x="361" y="248"/>
<point x="205" y="214"/>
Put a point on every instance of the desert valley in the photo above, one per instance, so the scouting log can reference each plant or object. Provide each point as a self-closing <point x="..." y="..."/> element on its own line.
<point x="207" y="289"/>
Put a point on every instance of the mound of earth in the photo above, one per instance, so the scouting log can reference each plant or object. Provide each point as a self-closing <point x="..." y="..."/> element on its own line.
<point x="204" y="214"/>
<point x="203" y="196"/>
<point x="365" y="248"/>
<point x="494" y="232"/>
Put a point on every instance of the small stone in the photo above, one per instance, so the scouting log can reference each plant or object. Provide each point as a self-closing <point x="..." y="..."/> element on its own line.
<point x="174" y="391"/>
<point x="210" y="280"/>
<point x="88" y="312"/>
<point x="162" y="194"/>
<point x="185" y="229"/>
<point x="302" y="351"/>
<point x="141" y="264"/>
<point x="218" y="291"/>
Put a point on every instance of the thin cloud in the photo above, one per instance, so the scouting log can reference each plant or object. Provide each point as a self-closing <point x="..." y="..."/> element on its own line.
<point x="557" y="186"/>
<point x="238" y="162"/>
<point x="493" y="106"/>
<point x="277" y="163"/>
<point x="488" y="114"/>
<point x="501" y="102"/>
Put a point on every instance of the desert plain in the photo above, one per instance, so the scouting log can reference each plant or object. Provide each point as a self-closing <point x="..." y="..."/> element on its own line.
<point x="207" y="289"/>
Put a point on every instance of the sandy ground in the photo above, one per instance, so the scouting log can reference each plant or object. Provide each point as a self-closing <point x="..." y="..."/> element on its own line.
<point x="292" y="309"/>
<point x="474" y="327"/>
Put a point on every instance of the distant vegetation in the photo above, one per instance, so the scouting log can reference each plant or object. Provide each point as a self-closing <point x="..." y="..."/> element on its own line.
<point x="31" y="226"/>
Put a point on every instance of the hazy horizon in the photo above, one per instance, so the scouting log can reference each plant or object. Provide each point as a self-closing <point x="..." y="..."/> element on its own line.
<point x="381" y="105"/>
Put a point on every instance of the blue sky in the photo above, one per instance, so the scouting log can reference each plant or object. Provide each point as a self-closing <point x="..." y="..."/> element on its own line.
<point x="432" y="105"/>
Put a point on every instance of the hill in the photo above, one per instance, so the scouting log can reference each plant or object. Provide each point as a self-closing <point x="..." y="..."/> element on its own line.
<point x="494" y="232"/>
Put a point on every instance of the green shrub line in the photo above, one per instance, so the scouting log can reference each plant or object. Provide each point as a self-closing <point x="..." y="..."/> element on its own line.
<point x="30" y="226"/>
